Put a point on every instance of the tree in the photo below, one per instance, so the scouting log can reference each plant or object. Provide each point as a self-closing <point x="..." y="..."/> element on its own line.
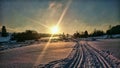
<point x="86" y="34"/>
<point x="67" y="35"/>
<point x="98" y="33"/>
<point x="114" y="30"/>
<point x="62" y="36"/>
<point x="76" y="35"/>
<point x="108" y="32"/>
<point x="4" y="32"/>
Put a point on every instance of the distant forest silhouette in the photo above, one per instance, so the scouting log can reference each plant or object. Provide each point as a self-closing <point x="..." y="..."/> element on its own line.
<point x="111" y="31"/>
<point x="34" y="35"/>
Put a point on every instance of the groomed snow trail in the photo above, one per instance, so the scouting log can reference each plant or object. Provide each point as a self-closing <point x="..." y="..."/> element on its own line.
<point x="83" y="56"/>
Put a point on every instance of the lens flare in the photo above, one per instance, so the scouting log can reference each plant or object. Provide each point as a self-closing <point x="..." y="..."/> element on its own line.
<point x="53" y="30"/>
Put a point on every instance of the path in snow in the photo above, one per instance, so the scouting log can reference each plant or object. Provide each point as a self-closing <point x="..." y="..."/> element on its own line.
<point x="84" y="56"/>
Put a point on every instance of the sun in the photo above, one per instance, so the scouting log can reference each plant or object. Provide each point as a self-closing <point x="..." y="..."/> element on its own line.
<point x="54" y="30"/>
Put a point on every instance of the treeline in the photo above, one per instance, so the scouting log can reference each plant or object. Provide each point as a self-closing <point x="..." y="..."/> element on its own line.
<point x="27" y="35"/>
<point x="111" y="31"/>
<point x="80" y="35"/>
<point x="114" y="30"/>
<point x="33" y="35"/>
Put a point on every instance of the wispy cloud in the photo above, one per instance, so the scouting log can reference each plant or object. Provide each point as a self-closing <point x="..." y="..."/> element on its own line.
<point x="55" y="5"/>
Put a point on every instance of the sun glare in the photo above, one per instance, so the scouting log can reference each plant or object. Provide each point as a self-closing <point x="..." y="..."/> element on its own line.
<point x="54" y="30"/>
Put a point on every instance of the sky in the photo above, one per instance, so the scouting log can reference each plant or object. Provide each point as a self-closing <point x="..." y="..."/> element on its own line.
<point x="72" y="15"/>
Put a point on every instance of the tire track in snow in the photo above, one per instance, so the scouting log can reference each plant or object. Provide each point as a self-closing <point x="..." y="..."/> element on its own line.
<point x="82" y="56"/>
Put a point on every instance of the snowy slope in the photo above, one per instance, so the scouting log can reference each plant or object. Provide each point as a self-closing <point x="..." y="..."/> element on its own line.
<point x="5" y="39"/>
<point x="106" y="36"/>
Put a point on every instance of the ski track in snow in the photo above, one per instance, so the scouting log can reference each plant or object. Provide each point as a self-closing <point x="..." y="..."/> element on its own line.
<point x="83" y="56"/>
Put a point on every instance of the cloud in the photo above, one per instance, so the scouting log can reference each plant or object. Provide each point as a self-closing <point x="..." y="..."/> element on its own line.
<point x="55" y="5"/>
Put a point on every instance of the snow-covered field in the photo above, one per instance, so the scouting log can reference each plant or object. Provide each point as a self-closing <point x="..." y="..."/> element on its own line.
<point x="113" y="45"/>
<point x="103" y="53"/>
<point x="85" y="55"/>
<point x="35" y="54"/>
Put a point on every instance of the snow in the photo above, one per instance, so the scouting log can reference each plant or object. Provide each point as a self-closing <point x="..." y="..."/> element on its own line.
<point x="60" y="53"/>
<point x="116" y="36"/>
<point x="5" y="39"/>
<point x="28" y="55"/>
<point x="112" y="45"/>
<point x="93" y="58"/>
<point x="105" y="36"/>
